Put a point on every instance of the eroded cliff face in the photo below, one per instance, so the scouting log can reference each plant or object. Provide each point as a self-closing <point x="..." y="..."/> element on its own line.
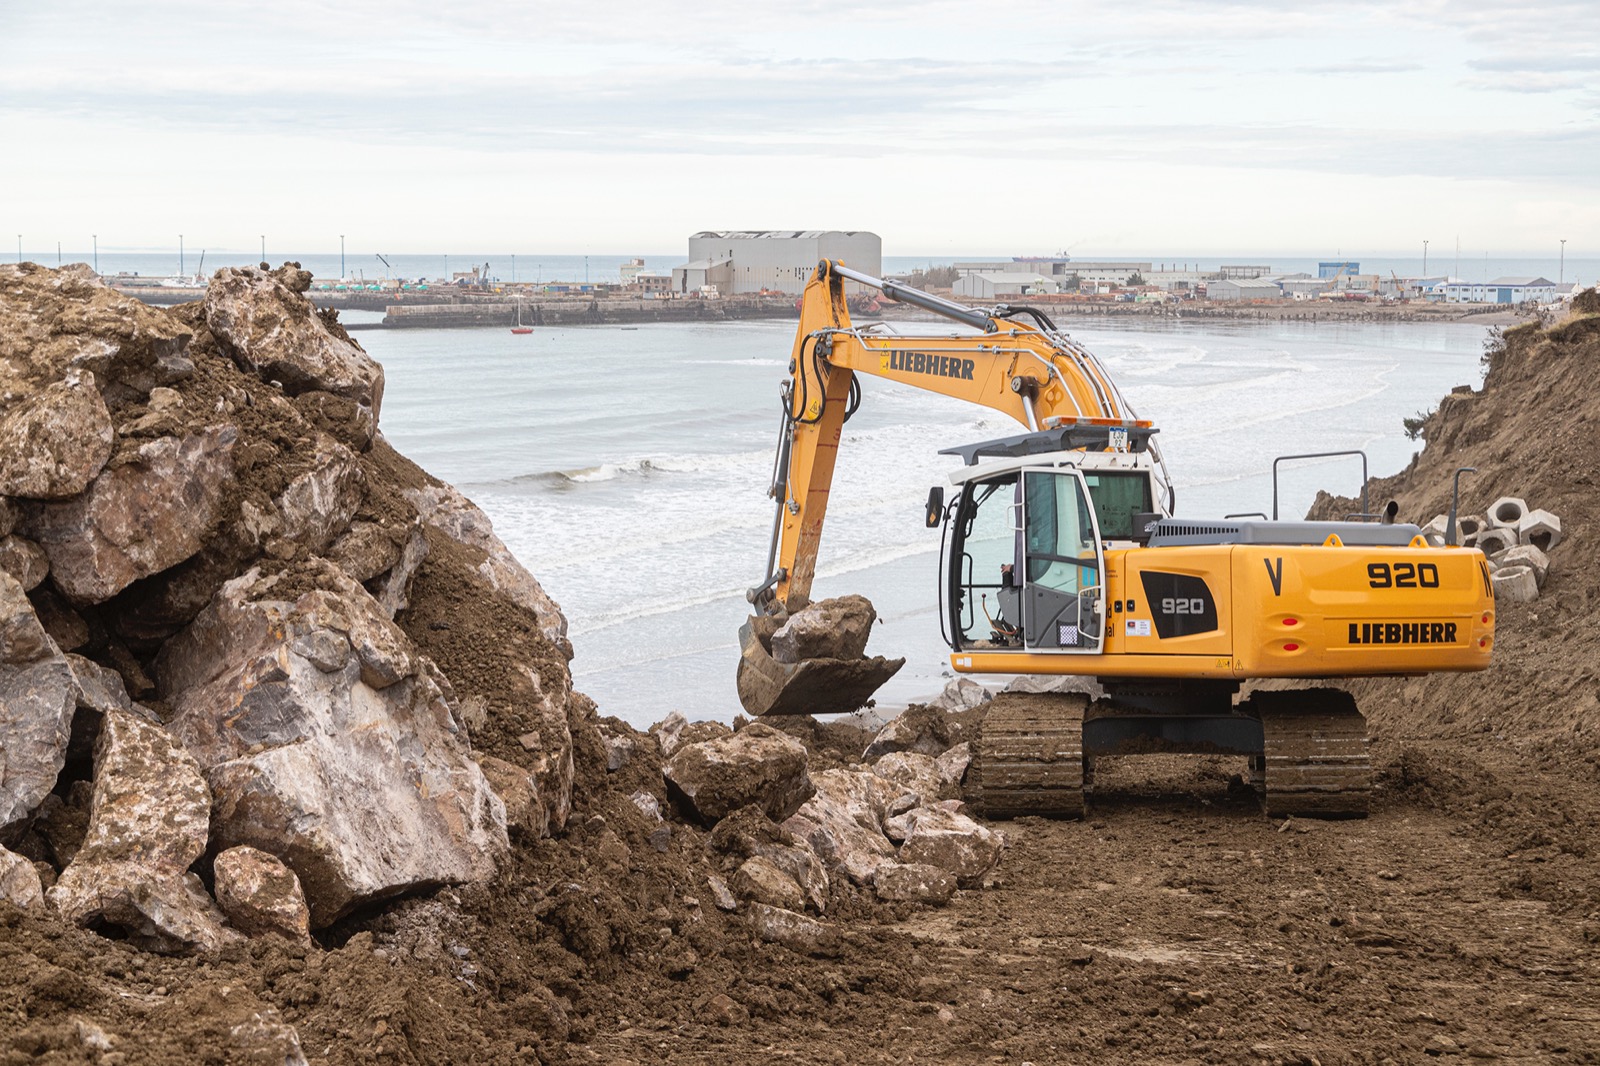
<point x="212" y="572"/>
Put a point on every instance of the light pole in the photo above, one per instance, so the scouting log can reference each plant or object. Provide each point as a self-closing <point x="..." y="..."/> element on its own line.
<point x="58" y="255"/>
<point x="19" y="247"/>
<point x="180" y="255"/>
<point x="341" y="257"/>
<point x="1563" y="278"/>
<point x="263" y="247"/>
<point x="513" y="268"/>
<point x="1424" y="258"/>
<point x="96" y="239"/>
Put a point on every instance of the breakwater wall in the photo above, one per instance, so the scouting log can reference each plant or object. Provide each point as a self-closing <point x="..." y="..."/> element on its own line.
<point x="584" y="311"/>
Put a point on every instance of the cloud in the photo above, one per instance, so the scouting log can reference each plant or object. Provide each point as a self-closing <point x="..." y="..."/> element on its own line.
<point x="1368" y="66"/>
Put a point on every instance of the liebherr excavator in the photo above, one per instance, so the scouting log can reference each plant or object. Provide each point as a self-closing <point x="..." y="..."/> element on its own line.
<point x="1061" y="556"/>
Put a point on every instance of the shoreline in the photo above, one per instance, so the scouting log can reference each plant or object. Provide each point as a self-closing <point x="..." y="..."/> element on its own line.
<point x="455" y="310"/>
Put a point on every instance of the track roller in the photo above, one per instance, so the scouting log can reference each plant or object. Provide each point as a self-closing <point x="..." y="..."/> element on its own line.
<point x="1028" y="758"/>
<point x="1315" y="761"/>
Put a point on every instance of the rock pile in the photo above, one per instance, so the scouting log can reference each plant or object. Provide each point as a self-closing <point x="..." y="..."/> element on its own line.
<point x="217" y="684"/>
<point x="1518" y="541"/>
<point x="892" y="822"/>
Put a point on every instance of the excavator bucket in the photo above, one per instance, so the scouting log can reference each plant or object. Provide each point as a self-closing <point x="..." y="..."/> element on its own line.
<point x="811" y="686"/>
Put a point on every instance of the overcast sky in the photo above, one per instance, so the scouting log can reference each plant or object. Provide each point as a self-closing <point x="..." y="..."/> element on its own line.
<point x="1163" y="128"/>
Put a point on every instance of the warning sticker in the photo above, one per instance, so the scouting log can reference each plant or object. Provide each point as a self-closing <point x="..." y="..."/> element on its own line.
<point x="1138" y="627"/>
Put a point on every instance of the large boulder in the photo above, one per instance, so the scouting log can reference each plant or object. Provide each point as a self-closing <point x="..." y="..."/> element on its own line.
<point x="758" y="765"/>
<point x="914" y="883"/>
<point x="843" y="822"/>
<point x="829" y="629"/>
<point x="27" y="562"/>
<point x="318" y="505"/>
<point x="441" y="506"/>
<point x="67" y="343"/>
<point x="941" y="837"/>
<point x="913" y="773"/>
<point x="797" y="932"/>
<point x="921" y="729"/>
<point x="749" y="834"/>
<point x="327" y="742"/>
<point x="53" y="322"/>
<point x="37" y="699"/>
<point x="147" y="825"/>
<point x="265" y="323"/>
<point x="54" y="440"/>
<point x="151" y="510"/>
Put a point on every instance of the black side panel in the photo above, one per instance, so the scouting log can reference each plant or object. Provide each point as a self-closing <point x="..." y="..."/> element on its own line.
<point x="1180" y="604"/>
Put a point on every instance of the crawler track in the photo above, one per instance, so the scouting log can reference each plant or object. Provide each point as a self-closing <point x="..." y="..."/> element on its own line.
<point x="1316" y="762"/>
<point x="1029" y="756"/>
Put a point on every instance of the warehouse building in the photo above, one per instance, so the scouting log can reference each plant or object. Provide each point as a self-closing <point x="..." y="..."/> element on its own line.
<point x="992" y="286"/>
<point x="1509" y="290"/>
<point x="1243" y="289"/>
<point x="773" y="260"/>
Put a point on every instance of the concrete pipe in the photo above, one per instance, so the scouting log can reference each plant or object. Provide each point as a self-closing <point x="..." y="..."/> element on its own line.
<point x="1540" y="529"/>
<point x="1494" y="540"/>
<point x="1436" y="525"/>
<point x="1507" y="512"/>
<point x="1468" y="527"/>
<point x="1529" y="556"/>
<point x="1515" y="584"/>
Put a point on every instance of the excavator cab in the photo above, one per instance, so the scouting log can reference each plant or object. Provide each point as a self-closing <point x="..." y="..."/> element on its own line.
<point x="1025" y="562"/>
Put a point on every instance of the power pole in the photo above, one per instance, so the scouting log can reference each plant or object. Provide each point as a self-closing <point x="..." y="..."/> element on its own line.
<point x="1424" y="258"/>
<point x="180" y="255"/>
<point x="1563" y="279"/>
<point x="97" y="253"/>
<point x="341" y="257"/>
<point x="263" y="247"/>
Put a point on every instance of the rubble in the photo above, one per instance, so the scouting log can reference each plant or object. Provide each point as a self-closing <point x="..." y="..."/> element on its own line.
<point x="758" y="765"/>
<point x="915" y="883"/>
<point x="953" y="842"/>
<point x="148" y="824"/>
<point x="19" y="882"/>
<point x="38" y="696"/>
<point x="260" y="895"/>
<point x="141" y="517"/>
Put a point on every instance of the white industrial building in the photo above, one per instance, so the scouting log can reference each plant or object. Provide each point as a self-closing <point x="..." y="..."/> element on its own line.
<point x="1508" y="290"/>
<point x="993" y="286"/>
<point x="1058" y="268"/>
<point x="1243" y="289"/>
<point x="775" y="260"/>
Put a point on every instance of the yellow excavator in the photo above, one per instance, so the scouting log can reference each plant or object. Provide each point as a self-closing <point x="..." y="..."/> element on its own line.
<point x="1061" y="556"/>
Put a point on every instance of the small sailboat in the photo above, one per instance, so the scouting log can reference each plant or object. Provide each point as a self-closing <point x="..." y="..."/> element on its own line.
<point x="519" y="328"/>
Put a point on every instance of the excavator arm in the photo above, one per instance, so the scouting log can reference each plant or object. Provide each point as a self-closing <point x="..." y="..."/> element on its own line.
<point x="1017" y="363"/>
<point x="1011" y="360"/>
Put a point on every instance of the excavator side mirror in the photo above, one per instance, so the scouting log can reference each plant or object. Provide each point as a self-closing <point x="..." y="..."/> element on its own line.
<point x="935" y="507"/>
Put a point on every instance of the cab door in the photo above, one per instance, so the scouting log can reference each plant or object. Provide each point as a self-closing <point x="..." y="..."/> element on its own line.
<point x="1063" y="591"/>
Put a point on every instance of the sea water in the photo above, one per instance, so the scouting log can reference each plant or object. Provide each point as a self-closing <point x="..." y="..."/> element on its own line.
<point x="627" y="467"/>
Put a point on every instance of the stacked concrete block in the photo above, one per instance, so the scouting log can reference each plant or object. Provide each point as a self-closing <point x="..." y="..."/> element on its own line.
<point x="1529" y="556"/>
<point x="1539" y="528"/>
<point x="1516" y="584"/>
<point x="1507" y="512"/>
<point x="1496" y="539"/>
